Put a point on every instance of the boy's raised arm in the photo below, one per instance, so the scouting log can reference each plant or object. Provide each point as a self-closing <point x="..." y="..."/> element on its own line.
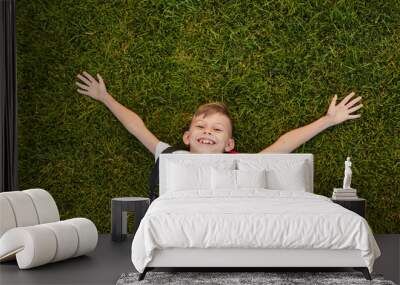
<point x="129" y="119"/>
<point x="133" y="123"/>
<point x="335" y="115"/>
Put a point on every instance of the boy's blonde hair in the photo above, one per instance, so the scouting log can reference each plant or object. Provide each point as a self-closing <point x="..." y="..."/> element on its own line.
<point x="212" y="108"/>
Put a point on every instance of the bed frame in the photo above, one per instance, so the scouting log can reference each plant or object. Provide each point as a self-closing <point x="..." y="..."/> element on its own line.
<point x="241" y="258"/>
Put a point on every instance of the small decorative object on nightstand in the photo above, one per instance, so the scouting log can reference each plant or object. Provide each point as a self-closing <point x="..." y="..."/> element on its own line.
<point x="345" y="193"/>
<point x="119" y="208"/>
<point x="347" y="174"/>
<point x="347" y="196"/>
<point x="357" y="205"/>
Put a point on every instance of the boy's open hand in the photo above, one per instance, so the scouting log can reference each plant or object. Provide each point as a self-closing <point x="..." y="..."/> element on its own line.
<point x="92" y="88"/>
<point x="341" y="112"/>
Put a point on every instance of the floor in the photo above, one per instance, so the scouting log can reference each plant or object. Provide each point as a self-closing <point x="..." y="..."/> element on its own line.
<point x="111" y="259"/>
<point x="103" y="266"/>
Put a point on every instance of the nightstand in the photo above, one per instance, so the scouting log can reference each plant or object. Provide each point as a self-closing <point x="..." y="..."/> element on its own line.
<point x="357" y="205"/>
<point x="119" y="208"/>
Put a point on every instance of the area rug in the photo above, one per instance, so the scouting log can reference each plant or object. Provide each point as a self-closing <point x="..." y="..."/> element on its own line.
<point x="269" y="278"/>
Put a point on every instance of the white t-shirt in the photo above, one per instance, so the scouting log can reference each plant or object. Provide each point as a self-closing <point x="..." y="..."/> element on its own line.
<point x="161" y="146"/>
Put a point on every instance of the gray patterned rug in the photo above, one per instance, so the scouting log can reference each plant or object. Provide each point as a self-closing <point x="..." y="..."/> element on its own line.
<point x="270" y="278"/>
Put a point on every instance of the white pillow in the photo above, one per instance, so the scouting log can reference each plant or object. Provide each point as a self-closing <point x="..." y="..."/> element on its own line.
<point x="223" y="179"/>
<point x="293" y="179"/>
<point x="228" y="179"/>
<point x="182" y="177"/>
<point x="251" y="178"/>
<point x="281" y="175"/>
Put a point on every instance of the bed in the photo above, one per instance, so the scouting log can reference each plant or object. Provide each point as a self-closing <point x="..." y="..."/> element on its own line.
<point x="247" y="210"/>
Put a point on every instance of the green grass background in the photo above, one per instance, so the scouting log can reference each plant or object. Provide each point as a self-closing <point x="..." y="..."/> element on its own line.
<point x="276" y="64"/>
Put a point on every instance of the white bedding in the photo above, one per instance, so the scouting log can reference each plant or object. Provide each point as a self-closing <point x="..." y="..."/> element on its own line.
<point x="251" y="218"/>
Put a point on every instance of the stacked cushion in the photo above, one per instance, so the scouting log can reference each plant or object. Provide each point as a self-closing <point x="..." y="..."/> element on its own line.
<point x="26" y="208"/>
<point x="40" y="244"/>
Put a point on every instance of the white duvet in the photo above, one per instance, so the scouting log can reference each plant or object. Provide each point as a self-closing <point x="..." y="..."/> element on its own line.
<point x="253" y="218"/>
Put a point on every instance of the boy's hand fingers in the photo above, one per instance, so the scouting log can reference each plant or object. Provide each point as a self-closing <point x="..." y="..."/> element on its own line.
<point x="351" y="110"/>
<point x="84" y="79"/>
<point x="334" y="98"/>
<point x="353" y="102"/>
<point x="100" y="78"/>
<point x="354" y="116"/>
<point x="89" y="76"/>
<point x="82" y="86"/>
<point x="82" y="92"/>
<point x="347" y="98"/>
<point x="333" y="102"/>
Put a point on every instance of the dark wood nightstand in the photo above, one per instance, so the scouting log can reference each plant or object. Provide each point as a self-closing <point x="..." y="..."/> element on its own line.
<point x="119" y="208"/>
<point x="357" y="205"/>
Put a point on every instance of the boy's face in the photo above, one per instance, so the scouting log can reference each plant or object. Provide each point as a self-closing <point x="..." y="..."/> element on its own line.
<point x="211" y="134"/>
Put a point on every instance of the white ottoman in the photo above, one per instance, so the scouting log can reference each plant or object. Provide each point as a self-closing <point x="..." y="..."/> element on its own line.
<point x="31" y="232"/>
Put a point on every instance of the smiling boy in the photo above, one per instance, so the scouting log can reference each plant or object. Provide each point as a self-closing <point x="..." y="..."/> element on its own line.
<point x="211" y="126"/>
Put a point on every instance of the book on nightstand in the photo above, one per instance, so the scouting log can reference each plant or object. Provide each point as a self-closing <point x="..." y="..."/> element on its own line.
<point x="344" y="194"/>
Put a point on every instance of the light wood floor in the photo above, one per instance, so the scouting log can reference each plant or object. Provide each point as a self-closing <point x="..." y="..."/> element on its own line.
<point x="111" y="259"/>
